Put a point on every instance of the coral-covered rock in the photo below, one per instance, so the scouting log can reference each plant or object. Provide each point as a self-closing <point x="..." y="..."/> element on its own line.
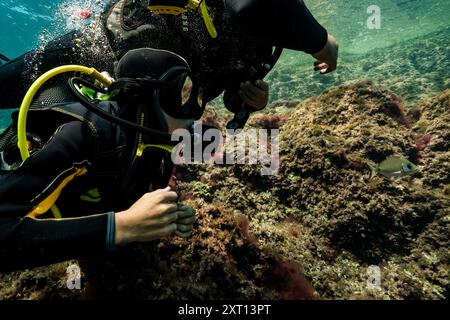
<point x="433" y="129"/>
<point x="324" y="148"/>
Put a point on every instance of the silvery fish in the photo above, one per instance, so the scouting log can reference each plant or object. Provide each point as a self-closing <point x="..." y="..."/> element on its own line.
<point x="395" y="167"/>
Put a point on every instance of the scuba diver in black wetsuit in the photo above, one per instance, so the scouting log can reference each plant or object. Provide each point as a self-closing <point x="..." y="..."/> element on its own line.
<point x="98" y="160"/>
<point x="227" y="43"/>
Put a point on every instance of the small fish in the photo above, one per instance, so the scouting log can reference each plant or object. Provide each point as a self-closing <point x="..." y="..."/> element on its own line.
<point x="395" y="167"/>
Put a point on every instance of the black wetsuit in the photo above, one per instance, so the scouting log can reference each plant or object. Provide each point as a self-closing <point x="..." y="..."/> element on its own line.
<point x="93" y="156"/>
<point x="219" y="64"/>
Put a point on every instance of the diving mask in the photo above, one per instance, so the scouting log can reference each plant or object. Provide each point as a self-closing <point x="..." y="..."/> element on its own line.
<point x="179" y="96"/>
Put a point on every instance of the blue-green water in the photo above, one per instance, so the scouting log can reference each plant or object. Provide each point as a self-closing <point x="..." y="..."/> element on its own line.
<point x="409" y="53"/>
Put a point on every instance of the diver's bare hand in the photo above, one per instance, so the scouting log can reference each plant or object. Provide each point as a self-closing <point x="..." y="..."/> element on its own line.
<point x="255" y="95"/>
<point x="327" y="58"/>
<point x="152" y="217"/>
<point x="185" y="222"/>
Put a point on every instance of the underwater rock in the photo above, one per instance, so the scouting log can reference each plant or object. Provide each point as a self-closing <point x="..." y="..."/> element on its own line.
<point x="357" y="123"/>
<point x="47" y="282"/>
<point x="379" y="219"/>
<point x="345" y="222"/>
<point x="433" y="129"/>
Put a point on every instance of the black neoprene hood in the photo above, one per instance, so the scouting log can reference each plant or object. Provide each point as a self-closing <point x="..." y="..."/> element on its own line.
<point x="171" y="71"/>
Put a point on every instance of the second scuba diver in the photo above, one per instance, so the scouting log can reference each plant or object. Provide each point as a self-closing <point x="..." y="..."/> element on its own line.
<point x="228" y="44"/>
<point x="105" y="164"/>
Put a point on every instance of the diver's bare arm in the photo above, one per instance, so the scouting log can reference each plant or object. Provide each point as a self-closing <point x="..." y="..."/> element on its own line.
<point x="327" y="58"/>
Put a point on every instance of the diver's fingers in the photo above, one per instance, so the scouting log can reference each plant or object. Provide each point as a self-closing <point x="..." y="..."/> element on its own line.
<point x="320" y="66"/>
<point x="185" y="227"/>
<point x="323" y="70"/>
<point x="246" y="99"/>
<point x="188" y="212"/>
<point x="323" y="67"/>
<point x="187" y="221"/>
<point x="257" y="104"/>
<point x="263" y="85"/>
<point x="166" y="189"/>
<point x="253" y="92"/>
<point x="184" y="235"/>
<point x="183" y="207"/>
<point x="166" y="219"/>
<point x="165" y="231"/>
<point x="168" y="196"/>
<point x="260" y="89"/>
<point x="326" y="70"/>
<point x="164" y="209"/>
<point x="331" y="68"/>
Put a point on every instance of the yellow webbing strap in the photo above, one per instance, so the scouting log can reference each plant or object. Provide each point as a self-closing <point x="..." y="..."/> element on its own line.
<point x="48" y="202"/>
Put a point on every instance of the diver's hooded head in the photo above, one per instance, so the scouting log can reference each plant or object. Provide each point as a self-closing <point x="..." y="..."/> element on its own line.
<point x="162" y="81"/>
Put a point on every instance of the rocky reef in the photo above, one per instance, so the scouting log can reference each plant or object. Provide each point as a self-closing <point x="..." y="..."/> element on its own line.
<point x="310" y="232"/>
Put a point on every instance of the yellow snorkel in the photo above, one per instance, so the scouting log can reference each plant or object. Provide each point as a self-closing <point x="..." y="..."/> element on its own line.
<point x="29" y="96"/>
<point x="177" y="7"/>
